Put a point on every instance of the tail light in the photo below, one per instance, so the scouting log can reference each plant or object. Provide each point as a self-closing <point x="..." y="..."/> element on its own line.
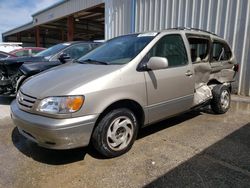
<point x="236" y="67"/>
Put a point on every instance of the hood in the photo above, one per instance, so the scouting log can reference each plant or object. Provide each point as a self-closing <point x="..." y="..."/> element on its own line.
<point x="66" y="79"/>
<point x="14" y="60"/>
<point x="36" y="67"/>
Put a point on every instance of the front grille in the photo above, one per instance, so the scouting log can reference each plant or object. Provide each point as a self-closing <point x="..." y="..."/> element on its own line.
<point x="25" y="101"/>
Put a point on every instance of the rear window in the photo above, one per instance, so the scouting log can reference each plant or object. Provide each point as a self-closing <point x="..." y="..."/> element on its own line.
<point x="78" y="50"/>
<point x="220" y="51"/>
<point x="53" y="50"/>
<point x="34" y="52"/>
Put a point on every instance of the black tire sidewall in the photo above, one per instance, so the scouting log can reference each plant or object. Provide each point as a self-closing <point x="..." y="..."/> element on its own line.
<point x="100" y="132"/>
<point x="216" y="101"/>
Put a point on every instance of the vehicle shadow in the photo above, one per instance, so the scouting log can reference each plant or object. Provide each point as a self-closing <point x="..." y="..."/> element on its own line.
<point x="43" y="155"/>
<point x="6" y="100"/>
<point x="157" y="127"/>
<point x="61" y="157"/>
<point x="224" y="164"/>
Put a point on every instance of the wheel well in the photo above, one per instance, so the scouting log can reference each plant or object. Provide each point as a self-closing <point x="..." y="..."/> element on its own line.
<point x="211" y="82"/>
<point x="130" y="104"/>
<point x="216" y="82"/>
<point x="19" y="84"/>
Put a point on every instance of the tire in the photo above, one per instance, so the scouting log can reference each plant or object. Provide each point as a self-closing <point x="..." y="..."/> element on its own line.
<point x="221" y="99"/>
<point x="115" y="133"/>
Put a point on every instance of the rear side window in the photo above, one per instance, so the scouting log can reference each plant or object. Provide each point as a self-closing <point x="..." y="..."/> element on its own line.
<point x="95" y="45"/>
<point x="172" y="48"/>
<point x="220" y="51"/>
<point x="199" y="49"/>
<point x="34" y="52"/>
<point x="78" y="50"/>
<point x="22" y="53"/>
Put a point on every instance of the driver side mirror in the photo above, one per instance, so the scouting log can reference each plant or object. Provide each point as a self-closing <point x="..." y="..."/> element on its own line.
<point x="64" y="57"/>
<point x="156" y="63"/>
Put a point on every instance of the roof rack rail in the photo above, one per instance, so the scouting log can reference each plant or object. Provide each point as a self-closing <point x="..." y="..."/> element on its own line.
<point x="191" y="28"/>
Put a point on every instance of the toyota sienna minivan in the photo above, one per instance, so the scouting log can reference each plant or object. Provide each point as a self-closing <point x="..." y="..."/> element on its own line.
<point x="127" y="83"/>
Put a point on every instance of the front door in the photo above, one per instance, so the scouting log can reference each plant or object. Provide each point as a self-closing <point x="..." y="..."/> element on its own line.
<point x="170" y="91"/>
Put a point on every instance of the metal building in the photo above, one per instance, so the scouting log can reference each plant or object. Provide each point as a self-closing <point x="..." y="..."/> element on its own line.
<point x="98" y="19"/>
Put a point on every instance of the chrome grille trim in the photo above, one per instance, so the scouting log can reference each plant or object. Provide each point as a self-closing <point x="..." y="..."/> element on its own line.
<point x="26" y="102"/>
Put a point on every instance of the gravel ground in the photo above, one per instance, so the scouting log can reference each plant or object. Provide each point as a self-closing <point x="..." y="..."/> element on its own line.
<point x="196" y="149"/>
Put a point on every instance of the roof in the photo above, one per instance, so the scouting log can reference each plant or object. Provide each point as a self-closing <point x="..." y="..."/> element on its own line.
<point x="56" y="11"/>
<point x="79" y="41"/>
<point x="10" y="43"/>
<point x="27" y="48"/>
<point x="18" y="29"/>
<point x="30" y="24"/>
<point x="49" y="7"/>
<point x="192" y="29"/>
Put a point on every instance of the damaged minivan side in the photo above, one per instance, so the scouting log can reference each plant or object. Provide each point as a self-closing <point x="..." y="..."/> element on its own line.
<point x="212" y="62"/>
<point x="129" y="82"/>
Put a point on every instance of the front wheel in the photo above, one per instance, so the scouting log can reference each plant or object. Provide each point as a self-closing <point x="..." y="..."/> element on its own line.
<point x="221" y="99"/>
<point x="115" y="133"/>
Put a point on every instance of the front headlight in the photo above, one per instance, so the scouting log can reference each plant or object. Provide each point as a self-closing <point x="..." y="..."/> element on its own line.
<point x="61" y="105"/>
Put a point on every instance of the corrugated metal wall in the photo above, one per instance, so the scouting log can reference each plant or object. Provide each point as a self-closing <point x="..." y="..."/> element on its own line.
<point x="227" y="18"/>
<point x="117" y="17"/>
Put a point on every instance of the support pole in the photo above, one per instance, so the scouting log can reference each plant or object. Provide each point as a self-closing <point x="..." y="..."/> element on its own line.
<point x="18" y="36"/>
<point x="37" y="30"/>
<point x="62" y="35"/>
<point x="70" y="27"/>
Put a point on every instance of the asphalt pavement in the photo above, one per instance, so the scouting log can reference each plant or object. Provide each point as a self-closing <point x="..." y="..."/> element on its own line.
<point x="196" y="149"/>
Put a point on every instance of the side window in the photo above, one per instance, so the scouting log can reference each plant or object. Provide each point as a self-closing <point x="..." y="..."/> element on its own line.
<point x="95" y="45"/>
<point x="199" y="49"/>
<point x="34" y="52"/>
<point x="172" y="48"/>
<point x="220" y="52"/>
<point x="78" y="50"/>
<point x="3" y="56"/>
<point x="22" y="53"/>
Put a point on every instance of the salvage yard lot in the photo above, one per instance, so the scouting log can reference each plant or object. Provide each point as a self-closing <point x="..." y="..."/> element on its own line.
<point x="196" y="149"/>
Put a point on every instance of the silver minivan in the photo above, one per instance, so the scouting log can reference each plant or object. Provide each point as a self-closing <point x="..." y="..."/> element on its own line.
<point x="127" y="83"/>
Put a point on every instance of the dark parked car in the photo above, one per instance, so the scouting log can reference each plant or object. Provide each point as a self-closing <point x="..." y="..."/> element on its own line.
<point x="27" y="51"/>
<point x="5" y="55"/>
<point x="13" y="71"/>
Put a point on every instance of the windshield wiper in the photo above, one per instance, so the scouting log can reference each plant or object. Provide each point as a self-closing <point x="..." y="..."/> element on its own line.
<point x="93" y="61"/>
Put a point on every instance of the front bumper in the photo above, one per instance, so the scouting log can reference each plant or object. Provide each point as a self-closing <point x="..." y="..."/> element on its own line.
<point x="54" y="133"/>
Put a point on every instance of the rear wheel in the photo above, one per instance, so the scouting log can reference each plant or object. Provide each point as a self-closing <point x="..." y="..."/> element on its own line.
<point x="115" y="132"/>
<point x="221" y="99"/>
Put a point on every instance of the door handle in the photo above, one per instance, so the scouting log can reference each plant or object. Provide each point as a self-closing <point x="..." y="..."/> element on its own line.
<point x="189" y="73"/>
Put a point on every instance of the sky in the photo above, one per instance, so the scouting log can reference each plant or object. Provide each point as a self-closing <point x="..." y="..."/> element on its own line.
<point x="14" y="13"/>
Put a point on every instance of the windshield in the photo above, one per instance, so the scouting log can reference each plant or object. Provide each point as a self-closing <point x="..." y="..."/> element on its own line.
<point x="119" y="50"/>
<point x="52" y="50"/>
